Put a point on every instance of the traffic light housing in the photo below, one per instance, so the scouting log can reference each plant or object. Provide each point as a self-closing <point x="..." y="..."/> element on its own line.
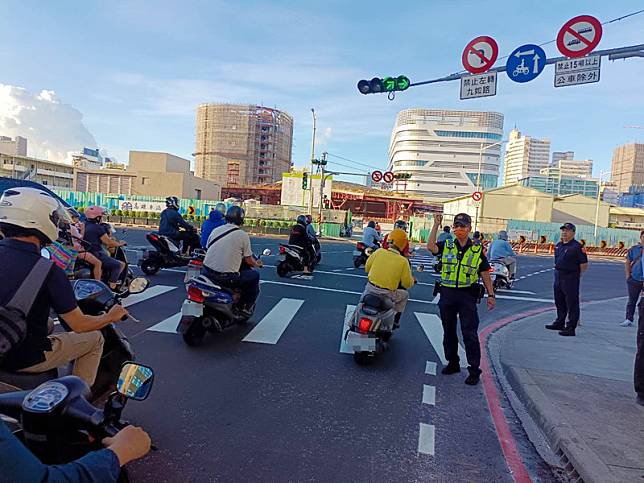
<point x="388" y="84"/>
<point x="305" y="180"/>
<point x="402" y="175"/>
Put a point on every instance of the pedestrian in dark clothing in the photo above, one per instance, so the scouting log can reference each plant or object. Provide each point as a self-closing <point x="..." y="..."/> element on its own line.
<point x="570" y="262"/>
<point x="634" y="279"/>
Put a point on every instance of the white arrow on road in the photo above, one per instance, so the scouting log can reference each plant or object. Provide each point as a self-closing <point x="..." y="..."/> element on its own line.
<point x="535" y="69"/>
<point x="527" y="52"/>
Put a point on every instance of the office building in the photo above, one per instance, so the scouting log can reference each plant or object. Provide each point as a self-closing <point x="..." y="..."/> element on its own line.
<point x="13" y="147"/>
<point x="559" y="155"/>
<point x="524" y="156"/>
<point x="628" y="166"/>
<point x="108" y="181"/>
<point x="570" y="167"/>
<point x="562" y="185"/>
<point x="88" y="158"/>
<point x="445" y="152"/>
<point x="241" y="145"/>
<point x="48" y="173"/>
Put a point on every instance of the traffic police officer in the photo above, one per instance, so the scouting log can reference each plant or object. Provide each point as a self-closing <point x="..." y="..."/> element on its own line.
<point x="570" y="262"/>
<point x="462" y="264"/>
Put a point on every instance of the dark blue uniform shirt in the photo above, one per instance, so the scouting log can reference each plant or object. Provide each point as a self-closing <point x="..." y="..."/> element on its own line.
<point x="569" y="256"/>
<point x="170" y="222"/>
<point x="93" y="233"/>
<point x="17" y="258"/>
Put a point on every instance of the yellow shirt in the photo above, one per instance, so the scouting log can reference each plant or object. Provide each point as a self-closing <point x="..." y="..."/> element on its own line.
<point x="388" y="269"/>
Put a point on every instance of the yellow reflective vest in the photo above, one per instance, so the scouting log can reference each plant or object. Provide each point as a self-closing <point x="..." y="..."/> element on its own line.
<point x="460" y="271"/>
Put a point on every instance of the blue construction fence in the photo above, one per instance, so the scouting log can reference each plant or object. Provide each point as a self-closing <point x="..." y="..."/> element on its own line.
<point x="612" y="236"/>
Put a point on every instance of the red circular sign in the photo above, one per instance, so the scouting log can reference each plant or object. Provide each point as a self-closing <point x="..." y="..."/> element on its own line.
<point x="480" y="54"/>
<point x="376" y="176"/>
<point x="477" y="196"/>
<point x="388" y="176"/>
<point x="579" y="36"/>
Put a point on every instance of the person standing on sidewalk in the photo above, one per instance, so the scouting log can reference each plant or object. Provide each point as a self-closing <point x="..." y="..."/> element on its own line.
<point x="463" y="262"/>
<point x="570" y="262"/>
<point x="634" y="279"/>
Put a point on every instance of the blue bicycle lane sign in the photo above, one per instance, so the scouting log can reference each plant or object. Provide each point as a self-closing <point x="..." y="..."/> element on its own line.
<point x="525" y="63"/>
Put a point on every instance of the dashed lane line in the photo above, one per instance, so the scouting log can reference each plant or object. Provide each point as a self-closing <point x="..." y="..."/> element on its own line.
<point x="430" y="368"/>
<point x="344" y="347"/>
<point x="429" y="395"/>
<point x="426" y="439"/>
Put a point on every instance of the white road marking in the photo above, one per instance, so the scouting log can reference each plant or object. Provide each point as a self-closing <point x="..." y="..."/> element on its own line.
<point x="337" y="269"/>
<point x="350" y="268"/>
<point x="344" y="347"/>
<point x="426" y="439"/>
<point x="505" y="290"/>
<point x="430" y="368"/>
<point x="431" y="324"/>
<point x="429" y="395"/>
<point x="153" y="291"/>
<point x="525" y="299"/>
<point x="272" y="326"/>
<point x="168" y="325"/>
<point x="437" y="298"/>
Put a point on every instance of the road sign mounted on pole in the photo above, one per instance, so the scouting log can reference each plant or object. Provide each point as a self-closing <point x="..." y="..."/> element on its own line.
<point x="388" y="177"/>
<point x="482" y="85"/>
<point x="579" y="36"/>
<point x="480" y="54"/>
<point x="477" y="196"/>
<point x="526" y="63"/>
<point x="573" y="72"/>
<point x="376" y="176"/>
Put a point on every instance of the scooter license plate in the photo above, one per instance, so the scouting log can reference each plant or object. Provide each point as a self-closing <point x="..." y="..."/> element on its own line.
<point x="191" y="273"/>
<point x="192" y="309"/>
<point x="361" y="342"/>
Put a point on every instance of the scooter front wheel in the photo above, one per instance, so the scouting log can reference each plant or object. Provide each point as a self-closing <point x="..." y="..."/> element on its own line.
<point x="150" y="267"/>
<point x="362" y="358"/>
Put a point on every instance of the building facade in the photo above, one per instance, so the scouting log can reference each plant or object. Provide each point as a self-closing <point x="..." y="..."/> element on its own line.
<point x="524" y="156"/>
<point x="48" y="173"/>
<point x="14" y="147"/>
<point x="559" y="155"/>
<point x="445" y="152"/>
<point x="569" y="167"/>
<point x="562" y="185"/>
<point x="241" y="145"/>
<point x="628" y="166"/>
<point x="107" y="181"/>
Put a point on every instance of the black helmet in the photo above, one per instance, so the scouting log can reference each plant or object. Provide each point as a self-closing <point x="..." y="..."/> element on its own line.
<point x="401" y="224"/>
<point x="235" y="215"/>
<point x="172" y="202"/>
<point x="371" y="224"/>
<point x="477" y="235"/>
<point x="301" y="219"/>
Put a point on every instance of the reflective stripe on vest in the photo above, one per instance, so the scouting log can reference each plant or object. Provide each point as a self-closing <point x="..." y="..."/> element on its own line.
<point x="460" y="273"/>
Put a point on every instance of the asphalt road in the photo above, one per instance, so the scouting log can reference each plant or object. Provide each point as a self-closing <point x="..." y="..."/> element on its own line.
<point x="300" y="409"/>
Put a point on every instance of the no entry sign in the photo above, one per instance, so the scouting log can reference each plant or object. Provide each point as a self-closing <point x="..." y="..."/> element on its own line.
<point x="579" y="36"/>
<point x="388" y="177"/>
<point x="480" y="54"/>
<point x="376" y="176"/>
<point x="477" y="196"/>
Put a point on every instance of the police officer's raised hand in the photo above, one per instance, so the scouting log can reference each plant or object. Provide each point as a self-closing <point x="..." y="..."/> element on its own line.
<point x="491" y="303"/>
<point x="438" y="219"/>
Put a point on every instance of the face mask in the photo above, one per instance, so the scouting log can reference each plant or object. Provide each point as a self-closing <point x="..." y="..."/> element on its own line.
<point x="460" y="233"/>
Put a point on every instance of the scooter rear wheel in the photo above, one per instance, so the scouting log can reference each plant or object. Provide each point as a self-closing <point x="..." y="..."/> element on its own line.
<point x="282" y="269"/>
<point x="194" y="335"/>
<point x="150" y="267"/>
<point x="362" y="358"/>
<point x="357" y="261"/>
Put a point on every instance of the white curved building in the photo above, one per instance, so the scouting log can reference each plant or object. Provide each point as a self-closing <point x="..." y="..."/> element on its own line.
<point x="441" y="151"/>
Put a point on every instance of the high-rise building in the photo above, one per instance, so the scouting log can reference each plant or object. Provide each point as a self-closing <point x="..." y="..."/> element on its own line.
<point x="559" y="155"/>
<point x="582" y="168"/>
<point x="562" y="185"/>
<point x="524" y="156"/>
<point x="240" y="144"/>
<point x="628" y="166"/>
<point x="13" y="147"/>
<point x="445" y="152"/>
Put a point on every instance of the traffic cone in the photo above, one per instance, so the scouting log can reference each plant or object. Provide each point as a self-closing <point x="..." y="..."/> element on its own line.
<point x="551" y="250"/>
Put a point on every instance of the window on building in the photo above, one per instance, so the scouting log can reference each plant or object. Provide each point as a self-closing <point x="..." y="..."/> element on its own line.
<point x="145" y="180"/>
<point x="197" y="194"/>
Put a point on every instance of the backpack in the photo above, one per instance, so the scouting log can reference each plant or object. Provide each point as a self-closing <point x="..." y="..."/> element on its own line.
<point x="13" y="315"/>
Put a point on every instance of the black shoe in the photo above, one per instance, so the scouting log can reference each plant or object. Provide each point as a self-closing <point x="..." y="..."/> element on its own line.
<point x="640" y="400"/>
<point x="451" y="369"/>
<point x="472" y="379"/>
<point x="567" y="332"/>
<point x="555" y="326"/>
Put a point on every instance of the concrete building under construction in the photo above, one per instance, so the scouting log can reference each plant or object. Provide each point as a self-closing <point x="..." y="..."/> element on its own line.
<point x="241" y="145"/>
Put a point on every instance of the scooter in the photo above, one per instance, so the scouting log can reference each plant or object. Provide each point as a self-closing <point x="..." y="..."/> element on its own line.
<point x="93" y="298"/>
<point x="361" y="253"/>
<point x="371" y="327"/>
<point x="58" y="425"/>
<point x="166" y="254"/>
<point x="292" y="260"/>
<point x="211" y="307"/>
<point x="500" y="275"/>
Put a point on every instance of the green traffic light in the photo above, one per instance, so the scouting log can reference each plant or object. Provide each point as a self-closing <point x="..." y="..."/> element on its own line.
<point x="402" y="83"/>
<point x="389" y="83"/>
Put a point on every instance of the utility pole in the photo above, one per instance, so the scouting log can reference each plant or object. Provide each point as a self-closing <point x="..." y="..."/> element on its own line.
<point x="312" y="161"/>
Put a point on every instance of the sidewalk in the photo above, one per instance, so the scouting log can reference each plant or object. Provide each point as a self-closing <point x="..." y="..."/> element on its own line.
<point x="579" y="390"/>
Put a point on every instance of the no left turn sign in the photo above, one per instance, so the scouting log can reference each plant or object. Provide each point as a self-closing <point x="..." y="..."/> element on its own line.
<point x="388" y="177"/>
<point x="480" y="54"/>
<point x="579" y="36"/>
<point x="477" y="196"/>
<point x="376" y="176"/>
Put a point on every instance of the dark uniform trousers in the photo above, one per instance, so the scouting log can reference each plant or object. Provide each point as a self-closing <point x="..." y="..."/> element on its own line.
<point x="566" y="290"/>
<point x="639" y="358"/>
<point x="461" y="303"/>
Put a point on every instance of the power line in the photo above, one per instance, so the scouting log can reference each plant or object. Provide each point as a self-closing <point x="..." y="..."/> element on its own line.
<point x="370" y="166"/>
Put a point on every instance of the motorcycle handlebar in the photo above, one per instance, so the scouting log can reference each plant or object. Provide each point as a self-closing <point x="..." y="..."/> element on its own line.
<point x="11" y="403"/>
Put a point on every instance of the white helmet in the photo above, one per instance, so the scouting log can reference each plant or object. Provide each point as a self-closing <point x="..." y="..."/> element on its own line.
<point x="33" y="209"/>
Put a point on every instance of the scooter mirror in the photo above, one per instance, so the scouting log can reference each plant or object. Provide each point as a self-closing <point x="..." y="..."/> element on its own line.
<point x="138" y="285"/>
<point x="420" y="268"/>
<point x="267" y="252"/>
<point x="135" y="381"/>
<point x="45" y="253"/>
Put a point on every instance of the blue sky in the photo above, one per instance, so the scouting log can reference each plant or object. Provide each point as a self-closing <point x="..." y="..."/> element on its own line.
<point x="138" y="69"/>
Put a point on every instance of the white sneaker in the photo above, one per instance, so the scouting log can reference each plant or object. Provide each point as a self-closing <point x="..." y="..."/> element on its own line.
<point x="627" y="323"/>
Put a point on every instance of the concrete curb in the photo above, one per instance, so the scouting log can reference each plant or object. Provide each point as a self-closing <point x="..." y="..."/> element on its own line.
<point x="578" y="459"/>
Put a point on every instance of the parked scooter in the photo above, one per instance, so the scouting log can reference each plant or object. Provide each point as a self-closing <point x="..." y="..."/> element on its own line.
<point x="361" y="253"/>
<point x="211" y="307"/>
<point x="58" y="425"/>
<point x="371" y="328"/>
<point x="292" y="260"/>
<point x="93" y="298"/>
<point x="500" y="275"/>
<point x="166" y="254"/>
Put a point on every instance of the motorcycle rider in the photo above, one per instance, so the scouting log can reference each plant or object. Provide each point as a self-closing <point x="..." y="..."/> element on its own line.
<point x="370" y="235"/>
<point x="97" y="236"/>
<point x="390" y="274"/>
<point x="170" y="222"/>
<point x="30" y="219"/>
<point x="215" y="219"/>
<point x="77" y="231"/>
<point x="501" y="250"/>
<point x="228" y="246"/>
<point x="310" y="230"/>
<point x="300" y="239"/>
<point x="401" y="225"/>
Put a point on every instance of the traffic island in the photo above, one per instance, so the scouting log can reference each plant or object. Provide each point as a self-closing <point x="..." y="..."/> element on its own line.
<point x="579" y="390"/>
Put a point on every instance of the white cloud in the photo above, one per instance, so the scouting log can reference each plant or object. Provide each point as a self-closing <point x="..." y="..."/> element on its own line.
<point x="53" y="129"/>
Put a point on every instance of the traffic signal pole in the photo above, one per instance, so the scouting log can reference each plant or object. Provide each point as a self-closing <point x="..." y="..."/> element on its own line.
<point x="310" y="210"/>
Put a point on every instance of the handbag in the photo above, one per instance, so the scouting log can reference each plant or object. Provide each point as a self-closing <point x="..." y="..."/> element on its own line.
<point x="64" y="256"/>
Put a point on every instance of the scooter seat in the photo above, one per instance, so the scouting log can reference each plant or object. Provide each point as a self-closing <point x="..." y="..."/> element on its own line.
<point x="23" y="381"/>
<point x="377" y="303"/>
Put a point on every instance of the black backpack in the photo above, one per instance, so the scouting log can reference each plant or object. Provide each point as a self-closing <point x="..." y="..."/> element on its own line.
<point x="13" y="315"/>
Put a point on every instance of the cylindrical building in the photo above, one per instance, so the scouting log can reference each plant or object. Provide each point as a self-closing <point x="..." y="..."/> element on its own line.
<point x="241" y="145"/>
<point x="441" y="154"/>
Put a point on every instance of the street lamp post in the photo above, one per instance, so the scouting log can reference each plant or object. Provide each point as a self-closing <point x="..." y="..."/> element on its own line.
<point x="478" y="176"/>
<point x="599" y="195"/>
<point x="312" y="159"/>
